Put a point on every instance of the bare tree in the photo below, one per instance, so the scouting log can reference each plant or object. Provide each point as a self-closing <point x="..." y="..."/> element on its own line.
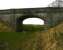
<point x="56" y="3"/>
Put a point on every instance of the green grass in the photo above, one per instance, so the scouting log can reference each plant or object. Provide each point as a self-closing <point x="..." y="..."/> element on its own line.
<point x="16" y="39"/>
<point x="34" y="27"/>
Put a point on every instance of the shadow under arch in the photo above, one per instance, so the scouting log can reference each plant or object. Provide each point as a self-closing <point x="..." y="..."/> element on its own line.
<point x="19" y="21"/>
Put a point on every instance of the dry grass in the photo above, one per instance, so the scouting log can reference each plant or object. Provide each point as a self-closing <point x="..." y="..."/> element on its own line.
<point x="45" y="40"/>
<point x="51" y="39"/>
<point x="4" y="27"/>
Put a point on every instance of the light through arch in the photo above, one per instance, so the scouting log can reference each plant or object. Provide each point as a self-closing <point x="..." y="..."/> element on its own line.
<point x="33" y="21"/>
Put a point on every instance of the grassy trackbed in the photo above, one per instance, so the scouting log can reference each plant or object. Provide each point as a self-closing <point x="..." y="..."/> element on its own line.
<point x="32" y="39"/>
<point x="17" y="40"/>
<point x="35" y="28"/>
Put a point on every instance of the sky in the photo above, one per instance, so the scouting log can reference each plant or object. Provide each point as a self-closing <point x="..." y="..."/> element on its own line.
<point x="7" y="4"/>
<point x="35" y="21"/>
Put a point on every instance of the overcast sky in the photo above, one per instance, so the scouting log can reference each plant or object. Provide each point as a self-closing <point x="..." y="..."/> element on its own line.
<point x="35" y="21"/>
<point x="7" y="4"/>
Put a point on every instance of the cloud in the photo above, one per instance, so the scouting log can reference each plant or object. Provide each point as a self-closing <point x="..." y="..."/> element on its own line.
<point x="34" y="21"/>
<point x="6" y="4"/>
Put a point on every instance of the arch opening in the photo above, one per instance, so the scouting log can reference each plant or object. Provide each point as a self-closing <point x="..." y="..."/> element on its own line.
<point x="33" y="21"/>
<point x="30" y="24"/>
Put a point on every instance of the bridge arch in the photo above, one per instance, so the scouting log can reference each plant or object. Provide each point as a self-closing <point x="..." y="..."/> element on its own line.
<point x="19" y="21"/>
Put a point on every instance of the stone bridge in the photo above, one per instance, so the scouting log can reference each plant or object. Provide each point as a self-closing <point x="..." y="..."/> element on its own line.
<point x="14" y="17"/>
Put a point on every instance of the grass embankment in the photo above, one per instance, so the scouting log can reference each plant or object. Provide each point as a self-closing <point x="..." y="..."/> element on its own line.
<point x="4" y="27"/>
<point x="50" y="39"/>
<point x="17" y="41"/>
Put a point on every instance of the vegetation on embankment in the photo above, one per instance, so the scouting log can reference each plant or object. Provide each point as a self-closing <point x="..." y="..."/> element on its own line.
<point x="49" y="39"/>
<point x="35" y="27"/>
<point x="52" y="39"/>
<point x="4" y="27"/>
<point x="16" y="40"/>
